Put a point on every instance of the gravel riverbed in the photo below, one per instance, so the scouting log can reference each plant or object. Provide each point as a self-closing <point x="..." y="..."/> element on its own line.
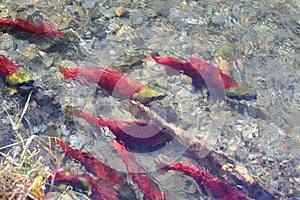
<point x="253" y="41"/>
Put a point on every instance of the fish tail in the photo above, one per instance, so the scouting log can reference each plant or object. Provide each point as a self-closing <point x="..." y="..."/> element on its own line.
<point x="7" y="22"/>
<point x="70" y="72"/>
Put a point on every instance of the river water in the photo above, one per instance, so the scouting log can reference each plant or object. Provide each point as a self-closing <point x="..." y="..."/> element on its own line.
<point x="257" y="42"/>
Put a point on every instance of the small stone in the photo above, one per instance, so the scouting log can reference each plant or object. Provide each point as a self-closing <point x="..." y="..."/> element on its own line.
<point x="227" y="51"/>
<point x="47" y="60"/>
<point x="285" y="161"/>
<point x="252" y="157"/>
<point x="184" y="5"/>
<point x="41" y="99"/>
<point x="254" y="162"/>
<point x="120" y="11"/>
<point x="22" y="7"/>
<point x="10" y="91"/>
<point x="242" y="154"/>
<point x="224" y="66"/>
<point x="52" y="129"/>
<point x="65" y="23"/>
<point x="79" y="11"/>
<point x="246" y="21"/>
<point x="123" y="30"/>
<point x="270" y="159"/>
<point x="107" y="13"/>
<point x="161" y="158"/>
<point x="261" y="142"/>
<point x="6" y="42"/>
<point x="31" y="52"/>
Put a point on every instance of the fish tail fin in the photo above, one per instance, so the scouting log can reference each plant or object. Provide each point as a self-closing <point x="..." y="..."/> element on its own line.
<point x="4" y="21"/>
<point x="152" y="57"/>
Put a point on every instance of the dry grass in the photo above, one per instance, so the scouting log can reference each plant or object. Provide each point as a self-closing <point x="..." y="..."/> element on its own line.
<point x="25" y="165"/>
<point x="23" y="170"/>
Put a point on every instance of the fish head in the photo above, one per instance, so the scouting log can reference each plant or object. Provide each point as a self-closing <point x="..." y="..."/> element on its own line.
<point x="241" y="92"/>
<point x="146" y="94"/>
<point x="21" y="76"/>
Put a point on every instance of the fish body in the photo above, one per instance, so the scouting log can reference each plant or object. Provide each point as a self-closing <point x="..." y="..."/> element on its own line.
<point x="115" y="180"/>
<point x="39" y="29"/>
<point x="98" y="189"/>
<point x="150" y="189"/>
<point x="118" y="84"/>
<point x="138" y="174"/>
<point x="215" y="187"/>
<point x="212" y="75"/>
<point x="185" y="68"/>
<point x="93" y="165"/>
<point x="201" y="72"/>
<point x="133" y="134"/>
<point x="114" y="82"/>
<point x="7" y="67"/>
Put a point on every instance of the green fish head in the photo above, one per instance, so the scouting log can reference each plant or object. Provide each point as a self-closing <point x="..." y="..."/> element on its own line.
<point x="147" y="94"/>
<point x="242" y="92"/>
<point x="21" y="76"/>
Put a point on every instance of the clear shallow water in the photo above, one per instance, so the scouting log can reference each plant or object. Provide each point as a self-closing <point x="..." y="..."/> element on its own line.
<point x="263" y="36"/>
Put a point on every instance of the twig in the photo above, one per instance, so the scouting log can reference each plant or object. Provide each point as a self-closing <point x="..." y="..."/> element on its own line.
<point x="24" y="110"/>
